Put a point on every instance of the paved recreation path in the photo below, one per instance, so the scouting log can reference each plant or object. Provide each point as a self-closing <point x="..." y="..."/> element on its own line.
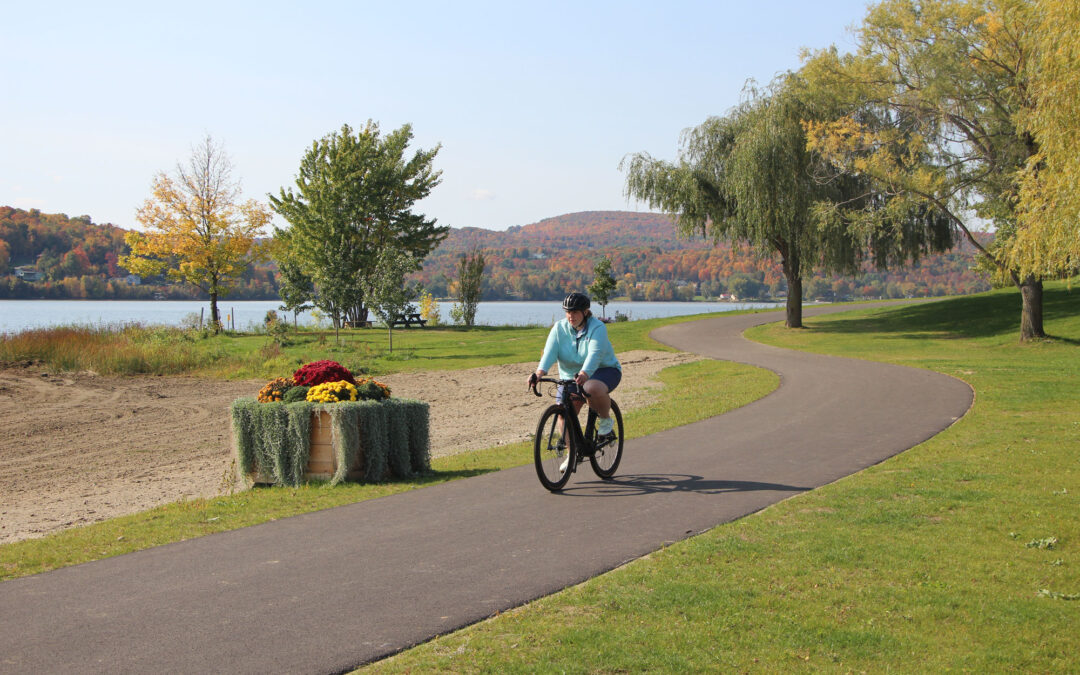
<point x="328" y="591"/>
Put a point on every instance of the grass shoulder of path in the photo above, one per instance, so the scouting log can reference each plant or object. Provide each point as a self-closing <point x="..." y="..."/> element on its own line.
<point x="136" y="349"/>
<point x="726" y="386"/>
<point x="961" y="554"/>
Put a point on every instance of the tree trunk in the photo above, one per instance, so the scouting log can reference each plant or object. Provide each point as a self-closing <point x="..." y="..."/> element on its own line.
<point x="792" y="266"/>
<point x="1031" y="309"/>
<point x="215" y="317"/>
<point x="794" y="302"/>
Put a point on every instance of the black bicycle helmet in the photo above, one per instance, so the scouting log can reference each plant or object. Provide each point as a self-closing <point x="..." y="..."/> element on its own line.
<point x="576" y="301"/>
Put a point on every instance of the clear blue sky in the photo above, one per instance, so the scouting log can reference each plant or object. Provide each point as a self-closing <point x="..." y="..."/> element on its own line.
<point x="534" y="105"/>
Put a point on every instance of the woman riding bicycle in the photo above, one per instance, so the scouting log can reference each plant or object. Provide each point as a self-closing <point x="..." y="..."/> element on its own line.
<point x="580" y="345"/>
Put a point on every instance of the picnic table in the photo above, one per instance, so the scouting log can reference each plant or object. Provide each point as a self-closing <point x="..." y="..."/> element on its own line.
<point x="409" y="320"/>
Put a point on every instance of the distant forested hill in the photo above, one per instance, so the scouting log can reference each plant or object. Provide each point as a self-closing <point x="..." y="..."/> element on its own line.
<point x="50" y="255"/>
<point x="544" y="260"/>
<point x="76" y="258"/>
<point x="588" y="229"/>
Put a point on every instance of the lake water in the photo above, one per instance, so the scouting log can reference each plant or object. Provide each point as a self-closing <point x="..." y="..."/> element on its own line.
<point x="18" y="315"/>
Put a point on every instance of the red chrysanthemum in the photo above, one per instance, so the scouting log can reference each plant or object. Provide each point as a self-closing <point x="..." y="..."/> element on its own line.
<point x="318" y="372"/>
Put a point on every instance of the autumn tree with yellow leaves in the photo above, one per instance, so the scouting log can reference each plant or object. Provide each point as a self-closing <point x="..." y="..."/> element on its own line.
<point x="936" y="95"/>
<point x="196" y="228"/>
<point x="1049" y="239"/>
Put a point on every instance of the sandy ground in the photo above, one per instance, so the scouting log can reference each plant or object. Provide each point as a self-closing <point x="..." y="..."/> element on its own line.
<point x="80" y="448"/>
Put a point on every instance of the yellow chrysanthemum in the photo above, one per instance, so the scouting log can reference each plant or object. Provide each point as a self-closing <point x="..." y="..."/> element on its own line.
<point x="332" y="392"/>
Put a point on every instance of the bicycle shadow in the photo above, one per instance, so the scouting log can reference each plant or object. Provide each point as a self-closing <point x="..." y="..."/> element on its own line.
<point x="648" y="484"/>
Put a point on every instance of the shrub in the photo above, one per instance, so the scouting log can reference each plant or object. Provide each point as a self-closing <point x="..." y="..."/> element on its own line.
<point x="296" y="394"/>
<point x="319" y="372"/>
<point x="370" y="389"/>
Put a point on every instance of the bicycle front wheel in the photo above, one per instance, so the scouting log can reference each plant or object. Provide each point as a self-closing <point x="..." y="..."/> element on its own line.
<point x="552" y="449"/>
<point x="608" y="451"/>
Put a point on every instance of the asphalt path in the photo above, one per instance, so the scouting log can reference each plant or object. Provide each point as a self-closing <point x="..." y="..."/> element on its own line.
<point x="329" y="591"/>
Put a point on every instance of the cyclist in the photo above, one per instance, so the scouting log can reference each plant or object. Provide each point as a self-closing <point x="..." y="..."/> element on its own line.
<point x="580" y="345"/>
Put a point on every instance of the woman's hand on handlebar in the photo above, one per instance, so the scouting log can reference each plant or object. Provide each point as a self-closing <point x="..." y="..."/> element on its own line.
<point x="581" y="379"/>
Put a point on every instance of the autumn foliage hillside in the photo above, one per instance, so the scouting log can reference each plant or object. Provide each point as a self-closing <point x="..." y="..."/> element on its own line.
<point x="544" y="260"/>
<point x="53" y="256"/>
<point x="77" y="258"/>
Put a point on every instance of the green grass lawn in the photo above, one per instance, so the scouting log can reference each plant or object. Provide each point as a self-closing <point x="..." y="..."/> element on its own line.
<point x="961" y="554"/>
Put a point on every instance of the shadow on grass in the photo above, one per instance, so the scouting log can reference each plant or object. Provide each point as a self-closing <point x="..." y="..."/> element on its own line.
<point x="432" y="477"/>
<point x="993" y="314"/>
<point x="443" y="476"/>
<point x="646" y="484"/>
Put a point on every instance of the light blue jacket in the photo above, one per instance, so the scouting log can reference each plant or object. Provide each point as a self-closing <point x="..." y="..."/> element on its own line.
<point x="578" y="352"/>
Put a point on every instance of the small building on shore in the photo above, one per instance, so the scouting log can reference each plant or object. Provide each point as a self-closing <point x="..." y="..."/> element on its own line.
<point x="28" y="273"/>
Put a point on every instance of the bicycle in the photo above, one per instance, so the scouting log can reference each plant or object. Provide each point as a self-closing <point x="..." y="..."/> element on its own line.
<point x="560" y="443"/>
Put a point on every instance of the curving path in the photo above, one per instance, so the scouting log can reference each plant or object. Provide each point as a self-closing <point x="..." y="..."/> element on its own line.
<point x="327" y="591"/>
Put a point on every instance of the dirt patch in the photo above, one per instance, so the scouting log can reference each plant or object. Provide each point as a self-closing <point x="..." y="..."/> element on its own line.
<point x="81" y="448"/>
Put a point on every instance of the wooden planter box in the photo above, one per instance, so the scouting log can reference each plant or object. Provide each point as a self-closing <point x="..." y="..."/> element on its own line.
<point x="322" y="461"/>
<point x="391" y="436"/>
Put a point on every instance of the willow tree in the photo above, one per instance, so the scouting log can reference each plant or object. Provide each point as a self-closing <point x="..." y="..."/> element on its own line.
<point x="354" y="197"/>
<point x="935" y="94"/>
<point x="1049" y="239"/>
<point x="749" y="177"/>
<point x="196" y="229"/>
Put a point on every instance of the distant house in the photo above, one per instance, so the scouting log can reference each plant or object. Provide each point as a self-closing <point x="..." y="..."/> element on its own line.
<point x="28" y="273"/>
<point x="133" y="279"/>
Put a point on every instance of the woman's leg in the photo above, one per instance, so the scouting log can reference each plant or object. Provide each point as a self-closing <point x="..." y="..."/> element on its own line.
<point x="599" y="400"/>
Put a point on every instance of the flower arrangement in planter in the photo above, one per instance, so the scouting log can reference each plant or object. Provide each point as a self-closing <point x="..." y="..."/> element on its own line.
<point x="325" y="423"/>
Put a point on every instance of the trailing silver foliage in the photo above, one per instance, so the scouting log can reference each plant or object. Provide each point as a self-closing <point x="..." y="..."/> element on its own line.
<point x="416" y="421"/>
<point x="272" y="441"/>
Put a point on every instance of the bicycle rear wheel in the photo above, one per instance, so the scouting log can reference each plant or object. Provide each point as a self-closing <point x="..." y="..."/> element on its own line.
<point x="553" y="449"/>
<point x="608" y="453"/>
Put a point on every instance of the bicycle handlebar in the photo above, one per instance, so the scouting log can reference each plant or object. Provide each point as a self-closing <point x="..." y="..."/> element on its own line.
<point x="536" y="385"/>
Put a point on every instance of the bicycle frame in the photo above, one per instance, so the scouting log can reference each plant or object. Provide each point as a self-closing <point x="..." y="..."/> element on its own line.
<point x="582" y="447"/>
